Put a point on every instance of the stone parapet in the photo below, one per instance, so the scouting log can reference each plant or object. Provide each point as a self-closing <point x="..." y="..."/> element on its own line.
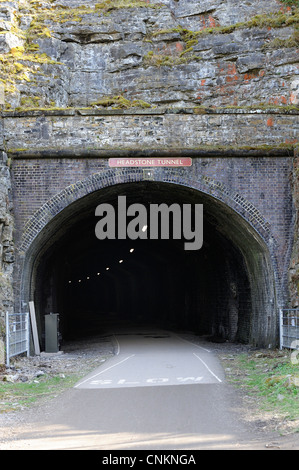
<point x="197" y="130"/>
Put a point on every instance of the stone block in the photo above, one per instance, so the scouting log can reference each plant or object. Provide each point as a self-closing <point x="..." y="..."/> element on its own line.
<point x="6" y="18"/>
<point x="9" y="41"/>
<point x="295" y="91"/>
<point x="251" y="62"/>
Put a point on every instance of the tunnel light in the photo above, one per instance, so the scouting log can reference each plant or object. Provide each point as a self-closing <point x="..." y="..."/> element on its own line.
<point x="79" y="280"/>
<point x="70" y="282"/>
<point x="131" y="250"/>
<point x="98" y="274"/>
<point x="88" y="277"/>
<point x="107" y="269"/>
<point x="121" y="261"/>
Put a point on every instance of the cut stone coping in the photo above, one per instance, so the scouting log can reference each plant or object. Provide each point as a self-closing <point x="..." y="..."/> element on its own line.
<point x="148" y="111"/>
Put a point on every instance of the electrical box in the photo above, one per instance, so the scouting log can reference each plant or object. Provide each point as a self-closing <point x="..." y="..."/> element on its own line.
<point x="52" y="333"/>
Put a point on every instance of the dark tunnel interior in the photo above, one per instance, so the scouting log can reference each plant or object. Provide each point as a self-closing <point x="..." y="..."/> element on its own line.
<point x="99" y="285"/>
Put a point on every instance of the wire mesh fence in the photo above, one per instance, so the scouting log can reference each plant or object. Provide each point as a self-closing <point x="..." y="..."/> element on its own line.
<point x="289" y="328"/>
<point x="17" y="335"/>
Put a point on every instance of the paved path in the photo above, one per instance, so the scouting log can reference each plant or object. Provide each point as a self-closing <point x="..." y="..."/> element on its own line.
<point x="155" y="358"/>
<point x="157" y="392"/>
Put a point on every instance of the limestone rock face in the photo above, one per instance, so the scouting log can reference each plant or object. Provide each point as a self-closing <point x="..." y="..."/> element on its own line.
<point x="175" y="53"/>
<point x="6" y="248"/>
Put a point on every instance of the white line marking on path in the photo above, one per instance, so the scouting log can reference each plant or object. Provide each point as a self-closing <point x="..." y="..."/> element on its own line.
<point x="190" y="342"/>
<point x="105" y="370"/>
<point x="211" y="372"/>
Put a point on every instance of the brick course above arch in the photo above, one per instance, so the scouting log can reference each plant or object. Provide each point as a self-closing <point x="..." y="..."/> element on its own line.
<point x="254" y="211"/>
<point x="95" y="182"/>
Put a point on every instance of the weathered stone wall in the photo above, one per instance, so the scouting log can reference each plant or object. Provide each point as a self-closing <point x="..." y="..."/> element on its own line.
<point x="86" y="130"/>
<point x="93" y="79"/>
<point x="6" y="248"/>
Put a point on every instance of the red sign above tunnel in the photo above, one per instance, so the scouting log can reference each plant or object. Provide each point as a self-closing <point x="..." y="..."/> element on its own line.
<point x="149" y="162"/>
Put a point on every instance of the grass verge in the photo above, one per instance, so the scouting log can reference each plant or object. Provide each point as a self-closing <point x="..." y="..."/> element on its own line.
<point x="270" y="379"/>
<point x="17" y="396"/>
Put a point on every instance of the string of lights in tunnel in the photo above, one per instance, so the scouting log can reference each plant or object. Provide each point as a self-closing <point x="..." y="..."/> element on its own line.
<point x="99" y="273"/>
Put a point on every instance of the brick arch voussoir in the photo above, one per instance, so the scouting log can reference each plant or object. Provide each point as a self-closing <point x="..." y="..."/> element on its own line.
<point x="216" y="189"/>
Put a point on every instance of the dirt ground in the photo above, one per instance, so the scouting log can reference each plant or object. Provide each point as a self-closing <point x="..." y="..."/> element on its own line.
<point x="78" y="358"/>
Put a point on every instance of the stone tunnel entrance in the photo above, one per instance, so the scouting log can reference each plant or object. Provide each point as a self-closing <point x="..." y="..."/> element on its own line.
<point x="225" y="289"/>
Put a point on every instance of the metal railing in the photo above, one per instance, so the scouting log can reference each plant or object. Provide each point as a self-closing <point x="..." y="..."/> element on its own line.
<point x="289" y="328"/>
<point x="17" y="335"/>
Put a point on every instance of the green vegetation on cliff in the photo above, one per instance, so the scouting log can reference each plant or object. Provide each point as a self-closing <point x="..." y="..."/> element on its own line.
<point x="120" y="102"/>
<point x="25" y="71"/>
<point x="291" y="2"/>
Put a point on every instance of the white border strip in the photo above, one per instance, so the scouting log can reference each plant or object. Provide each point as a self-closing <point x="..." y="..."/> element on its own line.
<point x="193" y="344"/>
<point x="211" y="372"/>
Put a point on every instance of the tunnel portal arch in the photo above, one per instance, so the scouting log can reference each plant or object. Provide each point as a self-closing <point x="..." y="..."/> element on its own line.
<point x="229" y="289"/>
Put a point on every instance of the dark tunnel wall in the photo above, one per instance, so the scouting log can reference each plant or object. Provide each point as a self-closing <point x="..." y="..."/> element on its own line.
<point x="157" y="284"/>
<point x="217" y="290"/>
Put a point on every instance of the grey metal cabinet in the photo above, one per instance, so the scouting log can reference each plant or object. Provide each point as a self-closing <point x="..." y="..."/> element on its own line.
<point x="52" y="333"/>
